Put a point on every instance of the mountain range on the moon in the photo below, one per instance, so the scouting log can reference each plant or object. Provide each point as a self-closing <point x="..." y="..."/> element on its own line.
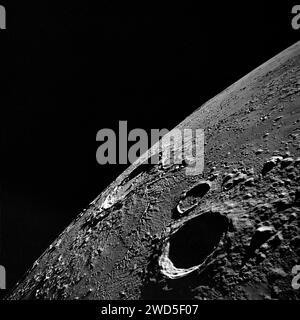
<point x="240" y="239"/>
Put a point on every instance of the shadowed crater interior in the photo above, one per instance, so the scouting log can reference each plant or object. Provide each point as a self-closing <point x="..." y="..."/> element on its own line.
<point x="191" y="244"/>
<point x="199" y="190"/>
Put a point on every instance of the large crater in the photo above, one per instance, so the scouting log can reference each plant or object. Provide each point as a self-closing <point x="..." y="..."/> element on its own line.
<point x="197" y="239"/>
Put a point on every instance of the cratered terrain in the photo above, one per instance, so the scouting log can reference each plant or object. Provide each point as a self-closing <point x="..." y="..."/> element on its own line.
<point x="231" y="232"/>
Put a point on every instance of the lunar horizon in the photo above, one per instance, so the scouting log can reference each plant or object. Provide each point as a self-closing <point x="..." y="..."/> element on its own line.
<point x="230" y="232"/>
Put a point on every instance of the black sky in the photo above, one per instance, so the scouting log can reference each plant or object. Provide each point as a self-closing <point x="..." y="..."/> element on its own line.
<point x="71" y="70"/>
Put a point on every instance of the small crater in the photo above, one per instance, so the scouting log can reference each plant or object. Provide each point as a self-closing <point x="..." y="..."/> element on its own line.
<point x="189" y="199"/>
<point x="199" y="190"/>
<point x="270" y="164"/>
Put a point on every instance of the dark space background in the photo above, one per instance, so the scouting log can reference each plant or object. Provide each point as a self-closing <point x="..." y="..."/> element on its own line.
<point x="71" y="69"/>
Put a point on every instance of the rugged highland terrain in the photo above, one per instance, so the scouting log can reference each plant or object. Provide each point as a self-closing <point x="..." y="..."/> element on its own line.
<point x="231" y="232"/>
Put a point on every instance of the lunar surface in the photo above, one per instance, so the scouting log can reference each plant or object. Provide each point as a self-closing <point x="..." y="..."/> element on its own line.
<point x="231" y="232"/>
